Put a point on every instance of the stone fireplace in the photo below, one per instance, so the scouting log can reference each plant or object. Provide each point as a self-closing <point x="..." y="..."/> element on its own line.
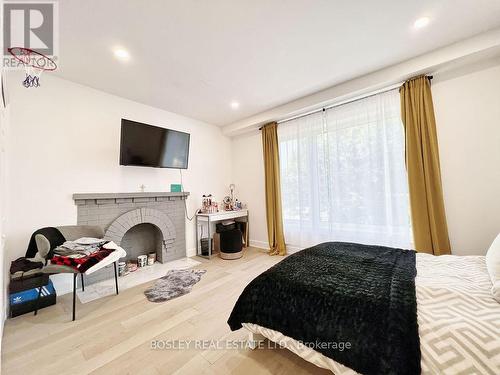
<point x="139" y="222"/>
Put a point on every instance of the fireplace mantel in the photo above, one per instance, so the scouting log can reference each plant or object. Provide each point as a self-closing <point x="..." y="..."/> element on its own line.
<point x="161" y="194"/>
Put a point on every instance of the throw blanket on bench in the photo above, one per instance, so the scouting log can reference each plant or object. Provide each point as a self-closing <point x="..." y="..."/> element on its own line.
<point x="82" y="264"/>
<point x="339" y="292"/>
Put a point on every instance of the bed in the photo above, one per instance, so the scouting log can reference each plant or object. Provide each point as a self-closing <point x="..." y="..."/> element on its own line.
<point x="457" y="328"/>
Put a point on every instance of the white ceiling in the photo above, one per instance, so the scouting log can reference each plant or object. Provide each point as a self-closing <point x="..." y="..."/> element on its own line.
<point x="194" y="57"/>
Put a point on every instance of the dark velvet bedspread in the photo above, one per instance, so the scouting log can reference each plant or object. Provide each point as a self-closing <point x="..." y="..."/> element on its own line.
<point x="337" y="293"/>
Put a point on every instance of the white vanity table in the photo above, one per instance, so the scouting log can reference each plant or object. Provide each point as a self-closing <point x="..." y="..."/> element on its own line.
<point x="209" y="219"/>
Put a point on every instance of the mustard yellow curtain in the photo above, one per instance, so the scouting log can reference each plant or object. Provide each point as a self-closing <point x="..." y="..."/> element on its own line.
<point x="273" y="189"/>
<point x="430" y="231"/>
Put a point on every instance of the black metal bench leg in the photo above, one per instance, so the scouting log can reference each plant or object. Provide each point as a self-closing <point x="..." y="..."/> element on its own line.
<point x="74" y="294"/>
<point x="83" y="285"/>
<point x="116" y="277"/>
<point x="38" y="299"/>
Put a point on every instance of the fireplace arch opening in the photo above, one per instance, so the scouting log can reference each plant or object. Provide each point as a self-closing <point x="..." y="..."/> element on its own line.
<point x="142" y="239"/>
<point x="124" y="227"/>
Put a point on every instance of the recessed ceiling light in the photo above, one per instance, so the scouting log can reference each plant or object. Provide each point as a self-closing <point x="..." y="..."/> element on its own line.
<point x="235" y="105"/>
<point x="421" y="22"/>
<point x="121" y="54"/>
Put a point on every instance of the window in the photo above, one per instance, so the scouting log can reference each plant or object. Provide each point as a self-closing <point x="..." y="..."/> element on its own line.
<point x="343" y="175"/>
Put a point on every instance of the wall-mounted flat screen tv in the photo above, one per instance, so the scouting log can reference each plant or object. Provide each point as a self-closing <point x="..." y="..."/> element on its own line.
<point x="151" y="146"/>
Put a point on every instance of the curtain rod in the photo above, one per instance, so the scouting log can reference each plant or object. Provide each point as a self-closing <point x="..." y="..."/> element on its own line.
<point x="355" y="99"/>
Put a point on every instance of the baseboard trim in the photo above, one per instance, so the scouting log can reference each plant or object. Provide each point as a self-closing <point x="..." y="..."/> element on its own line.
<point x="191" y="252"/>
<point x="264" y="245"/>
<point x="259" y="244"/>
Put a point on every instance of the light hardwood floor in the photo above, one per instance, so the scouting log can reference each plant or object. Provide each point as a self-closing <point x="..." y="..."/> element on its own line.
<point x="113" y="335"/>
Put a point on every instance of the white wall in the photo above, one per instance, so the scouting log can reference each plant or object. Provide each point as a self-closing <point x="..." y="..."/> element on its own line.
<point x="248" y="176"/>
<point x="65" y="139"/>
<point x="467" y="107"/>
<point x="4" y="127"/>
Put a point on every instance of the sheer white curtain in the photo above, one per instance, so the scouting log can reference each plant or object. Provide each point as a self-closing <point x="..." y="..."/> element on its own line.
<point x="343" y="175"/>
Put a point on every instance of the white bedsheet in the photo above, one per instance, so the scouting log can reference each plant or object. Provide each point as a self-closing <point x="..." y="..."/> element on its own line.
<point x="459" y="321"/>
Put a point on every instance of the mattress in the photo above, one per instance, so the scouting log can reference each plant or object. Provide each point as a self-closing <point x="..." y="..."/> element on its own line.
<point x="459" y="321"/>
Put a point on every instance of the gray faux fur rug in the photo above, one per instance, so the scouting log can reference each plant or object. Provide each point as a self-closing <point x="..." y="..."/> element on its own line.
<point x="174" y="284"/>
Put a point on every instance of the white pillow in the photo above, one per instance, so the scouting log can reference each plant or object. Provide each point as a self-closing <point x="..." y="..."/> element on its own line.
<point x="493" y="265"/>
